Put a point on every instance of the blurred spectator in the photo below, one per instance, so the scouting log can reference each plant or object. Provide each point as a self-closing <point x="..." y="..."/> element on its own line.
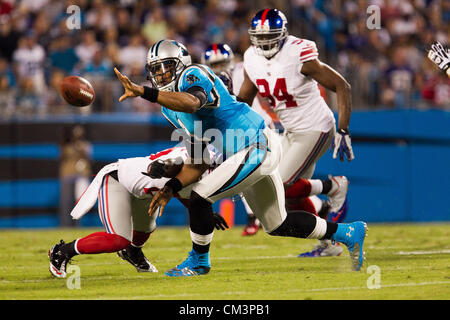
<point x="97" y="72"/>
<point x="123" y="25"/>
<point x="28" y="65"/>
<point x="134" y="53"/>
<point x="28" y="101"/>
<point x="111" y="46"/>
<point x="100" y="15"/>
<point x="399" y="83"/>
<point x="7" y="90"/>
<point x="62" y="54"/>
<point x="155" y="26"/>
<point x="9" y="39"/>
<point x="41" y="29"/>
<point x="52" y="97"/>
<point x="74" y="172"/>
<point x="99" y="67"/>
<point x="6" y="72"/>
<point x="88" y="47"/>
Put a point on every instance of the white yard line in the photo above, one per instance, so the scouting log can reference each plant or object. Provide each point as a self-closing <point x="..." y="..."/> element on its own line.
<point x="407" y="253"/>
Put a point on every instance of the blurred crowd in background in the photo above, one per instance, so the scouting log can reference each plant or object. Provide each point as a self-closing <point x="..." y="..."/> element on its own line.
<point x="386" y="66"/>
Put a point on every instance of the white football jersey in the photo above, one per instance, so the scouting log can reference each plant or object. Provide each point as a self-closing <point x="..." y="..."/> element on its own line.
<point x="294" y="97"/>
<point x="142" y="186"/>
<point x="237" y="78"/>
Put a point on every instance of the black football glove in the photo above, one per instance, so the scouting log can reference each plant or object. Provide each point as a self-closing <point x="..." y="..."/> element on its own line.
<point x="219" y="222"/>
<point x="157" y="169"/>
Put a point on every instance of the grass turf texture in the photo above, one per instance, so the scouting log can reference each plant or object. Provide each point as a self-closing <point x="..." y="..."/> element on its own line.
<point x="413" y="259"/>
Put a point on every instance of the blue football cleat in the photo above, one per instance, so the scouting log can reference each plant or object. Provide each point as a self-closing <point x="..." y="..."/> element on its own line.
<point x="352" y="235"/>
<point x="340" y="214"/>
<point x="196" y="264"/>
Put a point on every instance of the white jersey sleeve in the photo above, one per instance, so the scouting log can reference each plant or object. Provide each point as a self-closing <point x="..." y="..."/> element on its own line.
<point x="142" y="186"/>
<point x="139" y="185"/>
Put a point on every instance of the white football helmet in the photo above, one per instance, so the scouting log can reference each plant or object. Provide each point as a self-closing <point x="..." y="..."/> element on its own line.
<point x="166" y="59"/>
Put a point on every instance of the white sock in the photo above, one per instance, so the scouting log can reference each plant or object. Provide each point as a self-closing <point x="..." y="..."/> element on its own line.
<point x="201" y="240"/>
<point x="319" y="230"/>
<point x="316" y="186"/>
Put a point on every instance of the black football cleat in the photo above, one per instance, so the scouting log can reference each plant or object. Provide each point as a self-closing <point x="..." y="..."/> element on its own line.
<point x="58" y="261"/>
<point x="136" y="257"/>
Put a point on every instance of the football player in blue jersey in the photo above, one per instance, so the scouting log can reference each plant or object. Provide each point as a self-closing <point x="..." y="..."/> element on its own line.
<point x="196" y="101"/>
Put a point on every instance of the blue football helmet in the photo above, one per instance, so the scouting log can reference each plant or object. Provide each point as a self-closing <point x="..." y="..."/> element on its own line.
<point x="268" y="32"/>
<point x="219" y="57"/>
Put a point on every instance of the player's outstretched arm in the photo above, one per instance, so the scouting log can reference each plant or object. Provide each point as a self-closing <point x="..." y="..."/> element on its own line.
<point x="189" y="174"/>
<point x="177" y="101"/>
<point x="332" y="80"/>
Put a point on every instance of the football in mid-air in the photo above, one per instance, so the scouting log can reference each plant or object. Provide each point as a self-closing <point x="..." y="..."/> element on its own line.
<point x="77" y="91"/>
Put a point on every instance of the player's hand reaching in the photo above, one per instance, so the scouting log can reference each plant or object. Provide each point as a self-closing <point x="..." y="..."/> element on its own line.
<point x="440" y="56"/>
<point x="160" y="199"/>
<point x="219" y="222"/>
<point x="131" y="89"/>
<point x="157" y="169"/>
<point x="342" y="145"/>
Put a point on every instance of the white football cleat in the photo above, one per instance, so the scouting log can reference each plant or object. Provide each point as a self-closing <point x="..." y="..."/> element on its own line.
<point x="338" y="193"/>
<point x="324" y="248"/>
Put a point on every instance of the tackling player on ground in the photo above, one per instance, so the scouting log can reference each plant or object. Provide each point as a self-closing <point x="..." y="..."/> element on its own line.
<point x="123" y="190"/>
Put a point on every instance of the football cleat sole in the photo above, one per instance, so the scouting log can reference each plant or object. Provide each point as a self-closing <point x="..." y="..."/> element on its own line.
<point x="357" y="255"/>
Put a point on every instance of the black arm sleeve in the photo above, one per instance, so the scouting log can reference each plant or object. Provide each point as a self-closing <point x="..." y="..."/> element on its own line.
<point x="200" y="93"/>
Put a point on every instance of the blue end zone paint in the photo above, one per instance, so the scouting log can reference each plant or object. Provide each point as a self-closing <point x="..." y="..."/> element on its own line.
<point x="29" y="193"/>
<point x="31" y="151"/>
<point x="114" y="151"/>
<point x="100" y="151"/>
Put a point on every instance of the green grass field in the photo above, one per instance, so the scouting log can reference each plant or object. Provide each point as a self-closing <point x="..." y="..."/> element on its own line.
<point x="413" y="262"/>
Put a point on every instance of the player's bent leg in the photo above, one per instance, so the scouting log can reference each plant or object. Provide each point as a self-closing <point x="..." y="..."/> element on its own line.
<point x="266" y="199"/>
<point x="337" y="197"/>
<point x="201" y="230"/>
<point x="335" y="209"/>
<point x="232" y="177"/>
<point x="115" y="214"/>
<point x="301" y="225"/>
<point x="98" y="242"/>
<point x="253" y="224"/>
<point x="301" y="151"/>
<point x="143" y="226"/>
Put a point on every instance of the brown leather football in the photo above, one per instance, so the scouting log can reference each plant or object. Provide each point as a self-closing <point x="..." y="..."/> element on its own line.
<point x="77" y="91"/>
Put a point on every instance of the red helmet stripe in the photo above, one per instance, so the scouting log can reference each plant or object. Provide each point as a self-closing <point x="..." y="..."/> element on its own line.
<point x="263" y="16"/>
<point x="214" y="46"/>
